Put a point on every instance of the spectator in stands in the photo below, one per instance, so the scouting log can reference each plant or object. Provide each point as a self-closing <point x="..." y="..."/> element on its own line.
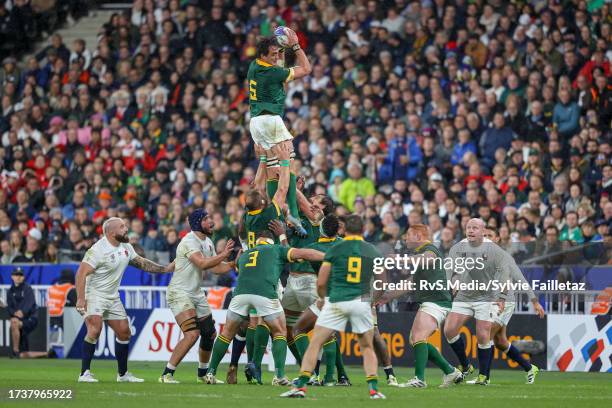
<point x="22" y="309"/>
<point x="159" y="120"/>
<point x="355" y="186"/>
<point x="33" y="251"/>
<point x="8" y="252"/>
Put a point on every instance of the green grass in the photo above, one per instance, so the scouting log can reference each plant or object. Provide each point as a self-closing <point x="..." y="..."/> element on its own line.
<point x="507" y="389"/>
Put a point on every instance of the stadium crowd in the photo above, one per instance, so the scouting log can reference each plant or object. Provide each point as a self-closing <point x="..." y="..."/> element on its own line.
<point x="416" y="111"/>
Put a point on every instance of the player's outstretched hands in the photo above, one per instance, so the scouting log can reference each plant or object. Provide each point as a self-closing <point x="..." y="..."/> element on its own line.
<point x="277" y="227"/>
<point x="229" y="246"/>
<point x="259" y="151"/>
<point x="291" y="36"/>
<point x="81" y="306"/>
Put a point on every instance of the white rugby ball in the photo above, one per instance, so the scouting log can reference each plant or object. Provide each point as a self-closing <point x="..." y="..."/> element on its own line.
<point x="281" y="36"/>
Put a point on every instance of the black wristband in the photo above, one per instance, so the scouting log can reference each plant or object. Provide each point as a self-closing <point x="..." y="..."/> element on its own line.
<point x="296" y="47"/>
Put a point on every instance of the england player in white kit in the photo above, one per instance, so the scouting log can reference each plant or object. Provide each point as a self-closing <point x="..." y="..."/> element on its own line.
<point x="187" y="300"/>
<point x="97" y="285"/>
<point x="487" y="265"/>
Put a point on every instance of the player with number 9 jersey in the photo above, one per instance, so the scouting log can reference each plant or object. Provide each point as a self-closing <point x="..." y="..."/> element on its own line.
<point x="352" y="262"/>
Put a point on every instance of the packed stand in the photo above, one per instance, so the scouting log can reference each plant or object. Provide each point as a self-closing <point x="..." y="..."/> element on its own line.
<point x="415" y="112"/>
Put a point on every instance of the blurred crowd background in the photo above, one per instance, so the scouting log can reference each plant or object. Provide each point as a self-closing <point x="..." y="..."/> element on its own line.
<point x="416" y="112"/>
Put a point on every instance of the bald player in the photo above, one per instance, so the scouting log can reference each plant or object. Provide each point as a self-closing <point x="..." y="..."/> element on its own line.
<point x="476" y="260"/>
<point x="97" y="285"/>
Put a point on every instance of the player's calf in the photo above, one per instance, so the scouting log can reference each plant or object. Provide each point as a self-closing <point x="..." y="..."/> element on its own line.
<point x="207" y="339"/>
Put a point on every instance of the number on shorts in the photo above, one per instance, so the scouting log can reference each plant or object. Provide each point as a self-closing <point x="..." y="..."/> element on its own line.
<point x="251" y="239"/>
<point x="354" y="269"/>
<point x="252" y="90"/>
<point x="252" y="259"/>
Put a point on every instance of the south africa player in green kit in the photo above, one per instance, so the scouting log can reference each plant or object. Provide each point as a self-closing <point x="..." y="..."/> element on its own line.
<point x="345" y="277"/>
<point x="259" y="270"/>
<point x="266" y="81"/>
<point x="333" y="358"/>
<point x="260" y="212"/>
<point x="434" y="307"/>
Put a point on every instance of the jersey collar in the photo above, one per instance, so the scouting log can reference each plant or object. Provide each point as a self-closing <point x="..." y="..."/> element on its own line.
<point x="255" y="212"/>
<point x="353" y="238"/>
<point x="263" y="241"/>
<point x="262" y="63"/>
<point x="325" y="239"/>
<point x="422" y="246"/>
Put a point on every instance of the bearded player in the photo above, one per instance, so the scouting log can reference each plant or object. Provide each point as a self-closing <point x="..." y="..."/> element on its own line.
<point x="267" y="95"/>
<point x="187" y="300"/>
<point x="97" y="286"/>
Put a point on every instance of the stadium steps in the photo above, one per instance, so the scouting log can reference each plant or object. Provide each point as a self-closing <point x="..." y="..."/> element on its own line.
<point x="86" y="28"/>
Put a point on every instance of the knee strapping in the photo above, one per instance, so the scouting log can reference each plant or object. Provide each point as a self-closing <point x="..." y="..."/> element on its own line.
<point x="189" y="324"/>
<point x="272" y="162"/>
<point x="272" y="317"/>
<point x="291" y="320"/>
<point x="207" y="333"/>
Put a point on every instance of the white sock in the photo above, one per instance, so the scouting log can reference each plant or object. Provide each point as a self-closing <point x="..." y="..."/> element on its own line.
<point x="454" y="339"/>
<point x="170" y="366"/>
<point x="202" y="365"/>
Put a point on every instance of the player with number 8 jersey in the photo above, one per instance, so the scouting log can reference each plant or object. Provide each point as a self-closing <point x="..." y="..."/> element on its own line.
<point x="259" y="270"/>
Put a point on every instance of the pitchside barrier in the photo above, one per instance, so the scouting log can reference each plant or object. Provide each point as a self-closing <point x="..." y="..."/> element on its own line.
<point x="37" y="340"/>
<point x="574" y="342"/>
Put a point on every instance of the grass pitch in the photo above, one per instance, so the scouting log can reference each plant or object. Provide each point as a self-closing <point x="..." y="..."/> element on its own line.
<point x="507" y="389"/>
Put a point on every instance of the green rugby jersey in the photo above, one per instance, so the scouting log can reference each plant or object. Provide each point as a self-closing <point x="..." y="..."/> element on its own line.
<point x="323" y="244"/>
<point x="434" y="275"/>
<point x="267" y="87"/>
<point x="299" y="242"/>
<point x="259" y="269"/>
<point x="257" y="220"/>
<point x="352" y="262"/>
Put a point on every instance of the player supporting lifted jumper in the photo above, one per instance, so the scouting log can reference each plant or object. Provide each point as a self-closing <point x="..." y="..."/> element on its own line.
<point x="187" y="300"/>
<point x="345" y="276"/>
<point x="434" y="306"/>
<point x="260" y="212"/>
<point x="259" y="271"/>
<point x="97" y="285"/>
<point x="267" y="95"/>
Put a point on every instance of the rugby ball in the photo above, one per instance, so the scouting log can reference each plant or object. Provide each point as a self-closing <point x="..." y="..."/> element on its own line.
<point x="281" y="36"/>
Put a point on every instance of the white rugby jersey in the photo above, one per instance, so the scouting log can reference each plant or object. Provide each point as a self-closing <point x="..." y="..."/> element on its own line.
<point x="187" y="277"/>
<point x="109" y="263"/>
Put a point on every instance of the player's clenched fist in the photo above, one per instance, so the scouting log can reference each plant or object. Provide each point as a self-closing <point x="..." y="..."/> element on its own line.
<point x="81" y="306"/>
